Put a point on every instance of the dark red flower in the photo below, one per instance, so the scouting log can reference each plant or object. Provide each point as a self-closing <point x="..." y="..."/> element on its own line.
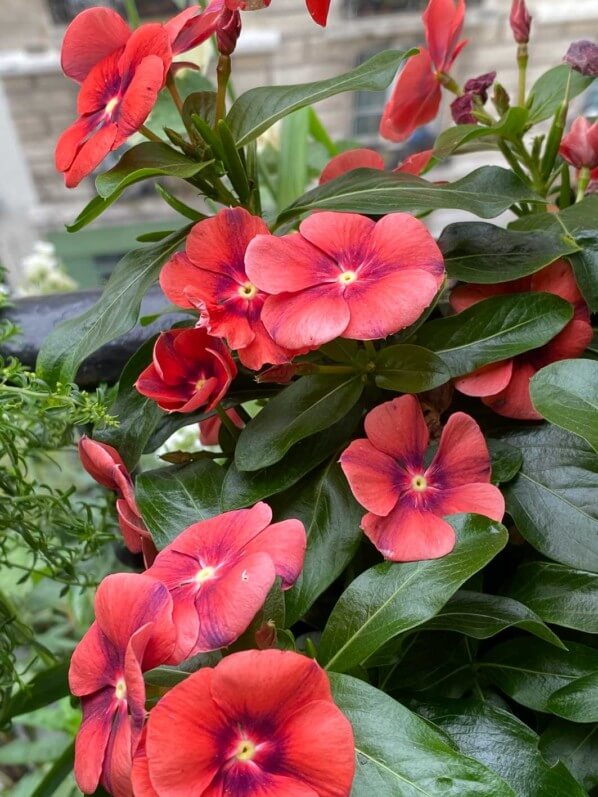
<point x="219" y="572"/>
<point x="212" y="276"/>
<point x="407" y="500"/>
<point x="195" y="25"/>
<point x="579" y="146"/>
<point x="479" y="85"/>
<point x="461" y="110"/>
<point x="504" y="386"/>
<point x="261" y="723"/>
<point x="132" y="633"/>
<point x="520" y="21"/>
<point x="344" y="275"/>
<point x="190" y="369"/>
<point x="583" y="57"/>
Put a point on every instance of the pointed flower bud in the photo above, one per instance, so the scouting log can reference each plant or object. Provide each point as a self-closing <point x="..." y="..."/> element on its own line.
<point x="580" y="146"/>
<point x="583" y="57"/>
<point x="229" y="30"/>
<point x="520" y="21"/>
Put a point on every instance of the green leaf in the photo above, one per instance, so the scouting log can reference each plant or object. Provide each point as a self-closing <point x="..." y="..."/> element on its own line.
<point x="324" y="503"/>
<point x="115" y="313"/>
<point x="530" y="671"/>
<point x="510" y="127"/>
<point x="495" y="329"/>
<point x="578" y="701"/>
<point x="546" y="95"/>
<point x="245" y="488"/>
<point x="504" y="744"/>
<point x="258" y="109"/>
<point x="566" y="394"/>
<point x="401" y="755"/>
<point x="576" y="746"/>
<point x="486" y="192"/>
<point x="173" y="498"/>
<point x="309" y="405"/>
<point x="409" y="369"/>
<point x="292" y="161"/>
<point x="44" y="688"/>
<point x="558" y="594"/>
<point x="201" y="103"/>
<point x="483" y="253"/>
<point x="506" y="460"/>
<point x="481" y="616"/>
<point x="553" y="497"/>
<point x="57" y="774"/>
<point x="390" y="598"/>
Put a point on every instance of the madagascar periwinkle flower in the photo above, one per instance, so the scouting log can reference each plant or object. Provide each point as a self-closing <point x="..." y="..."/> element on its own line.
<point x="363" y="158"/>
<point x="190" y="369"/>
<point x="579" y="146"/>
<point x="520" y="21"/>
<point x="407" y="499"/>
<point x="262" y="722"/>
<point x="344" y="275"/>
<point x="583" y="57"/>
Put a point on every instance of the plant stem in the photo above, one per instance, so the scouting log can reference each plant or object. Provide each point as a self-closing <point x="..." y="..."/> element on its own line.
<point x="145" y="131"/>
<point x="223" y="74"/>
<point x="370" y="348"/>
<point x="132" y="13"/>
<point x="174" y="92"/>
<point x="582" y="183"/>
<point x="227" y="423"/>
<point x="522" y="59"/>
<point x="334" y="369"/>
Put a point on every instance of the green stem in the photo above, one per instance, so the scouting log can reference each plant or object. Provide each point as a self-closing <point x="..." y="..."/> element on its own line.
<point x="334" y="369"/>
<point x="174" y="92"/>
<point x="223" y="74"/>
<point x="511" y="160"/>
<point x="582" y="183"/>
<point x="145" y="131"/>
<point x="565" y="192"/>
<point x="522" y="59"/>
<point x="227" y="423"/>
<point x="370" y="348"/>
<point x="449" y="83"/>
<point x="319" y="132"/>
<point x="132" y="13"/>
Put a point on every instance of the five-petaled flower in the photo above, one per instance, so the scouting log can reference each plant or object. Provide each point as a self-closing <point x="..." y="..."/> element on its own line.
<point x="416" y="97"/>
<point x="219" y="572"/>
<point x="345" y="275"/>
<point x="579" y="146"/>
<point x="132" y="633"/>
<point x="407" y="499"/>
<point x="190" y="369"/>
<point x="504" y="386"/>
<point x="259" y="723"/>
<point x="211" y="276"/>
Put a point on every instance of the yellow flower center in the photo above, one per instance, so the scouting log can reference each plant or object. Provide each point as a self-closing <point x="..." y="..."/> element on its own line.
<point x="205" y="574"/>
<point x="120" y="690"/>
<point x="110" y="106"/>
<point x="199" y="384"/>
<point x="347" y="277"/>
<point x="419" y="483"/>
<point x="247" y="291"/>
<point x="245" y="750"/>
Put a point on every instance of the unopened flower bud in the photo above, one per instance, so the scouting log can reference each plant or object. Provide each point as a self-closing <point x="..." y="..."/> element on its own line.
<point x="229" y="30"/>
<point x="583" y="57"/>
<point x="265" y="636"/>
<point x="501" y="99"/>
<point x="580" y="146"/>
<point x="520" y="21"/>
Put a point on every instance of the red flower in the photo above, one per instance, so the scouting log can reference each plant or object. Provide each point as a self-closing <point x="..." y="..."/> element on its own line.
<point x="370" y="159"/>
<point x="259" y="723"/>
<point x="580" y="146"/>
<point x="520" y="21"/>
<point x="504" y="386"/>
<point x="118" y="91"/>
<point x="105" y="465"/>
<point x="345" y="275"/>
<point x="209" y="430"/>
<point x="406" y="500"/>
<point x="415" y="163"/>
<point x="133" y="632"/>
<point x="416" y="97"/>
<point x="190" y="369"/>
<point x="212" y="276"/>
<point x="220" y="570"/>
<point x="317" y="8"/>
<point x="195" y="25"/>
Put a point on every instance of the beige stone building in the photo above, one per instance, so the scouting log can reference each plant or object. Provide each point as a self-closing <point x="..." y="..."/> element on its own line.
<point x="279" y="45"/>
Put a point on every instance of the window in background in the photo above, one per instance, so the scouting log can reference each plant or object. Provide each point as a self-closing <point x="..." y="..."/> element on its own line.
<point x="366" y="8"/>
<point x="63" y="11"/>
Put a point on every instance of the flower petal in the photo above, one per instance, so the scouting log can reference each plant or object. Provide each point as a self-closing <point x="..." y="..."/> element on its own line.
<point x="92" y="739"/>
<point x="140" y="777"/>
<point x="90" y="154"/>
<point x="91" y="36"/>
<point x="398" y="429"/>
<point x="342" y="236"/>
<point x="140" y="97"/>
<point x="462" y="455"/>
<point x="93" y="664"/>
<point x="371" y="475"/>
<point x="415" y="100"/>
<point x="480" y="499"/>
<point x="515" y="401"/>
<point x="288" y="263"/>
<point x="285" y="544"/>
<point x="443" y="22"/>
<point x="318" y="10"/>
<point x="307" y="319"/>
<point x="409" y="535"/>
<point x="486" y="381"/>
<point x="349" y="160"/>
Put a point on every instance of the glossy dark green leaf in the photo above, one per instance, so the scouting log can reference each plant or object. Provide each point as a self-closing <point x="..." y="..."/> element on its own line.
<point x="481" y="616"/>
<point x="409" y="369"/>
<point x="390" y="598"/>
<point x="578" y="701"/>
<point x="546" y="95"/>
<point x="486" y="192"/>
<point x="201" y="103"/>
<point x="309" y="405"/>
<point x="115" y="313"/>
<point x="504" y="744"/>
<point x="566" y="394"/>
<point x="495" y="329"/>
<point x="324" y="503"/>
<point x="57" y="774"/>
<point x="506" y="460"/>
<point x="401" y="755"/>
<point x="558" y="594"/>
<point x="245" y="488"/>
<point x="44" y="688"/>
<point x="341" y="350"/>
<point x="452" y="139"/>
<point x="530" y="671"/>
<point x="172" y="498"/>
<point x="258" y="109"/>
<point x="486" y="254"/>
<point x="553" y="497"/>
<point x="576" y="746"/>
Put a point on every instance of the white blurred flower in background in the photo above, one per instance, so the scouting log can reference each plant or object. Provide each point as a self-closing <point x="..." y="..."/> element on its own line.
<point x="42" y="272"/>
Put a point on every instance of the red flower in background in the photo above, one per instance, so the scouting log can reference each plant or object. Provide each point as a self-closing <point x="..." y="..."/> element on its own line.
<point x="344" y="275"/>
<point x="317" y="8"/>
<point x="504" y="386"/>
<point x="105" y="465"/>
<point x="212" y="276"/>
<point x="259" y="723"/>
<point x="219" y="572"/>
<point x="416" y="97"/>
<point x="579" y="146"/>
<point x="132" y="633"/>
<point x="406" y="500"/>
<point x="190" y="369"/>
<point x="370" y="159"/>
<point x="209" y="430"/>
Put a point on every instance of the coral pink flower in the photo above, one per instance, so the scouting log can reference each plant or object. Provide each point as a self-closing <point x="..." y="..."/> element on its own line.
<point x="580" y="146"/>
<point x="259" y="723"/>
<point x="190" y="369"/>
<point x="344" y="275"/>
<point x="415" y="163"/>
<point x="211" y="276"/>
<point x="209" y="430"/>
<point x="370" y="159"/>
<point x="133" y="632"/>
<point x="117" y="93"/>
<point x="504" y="386"/>
<point x="220" y="570"/>
<point x="406" y="500"/>
<point x="105" y="465"/>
